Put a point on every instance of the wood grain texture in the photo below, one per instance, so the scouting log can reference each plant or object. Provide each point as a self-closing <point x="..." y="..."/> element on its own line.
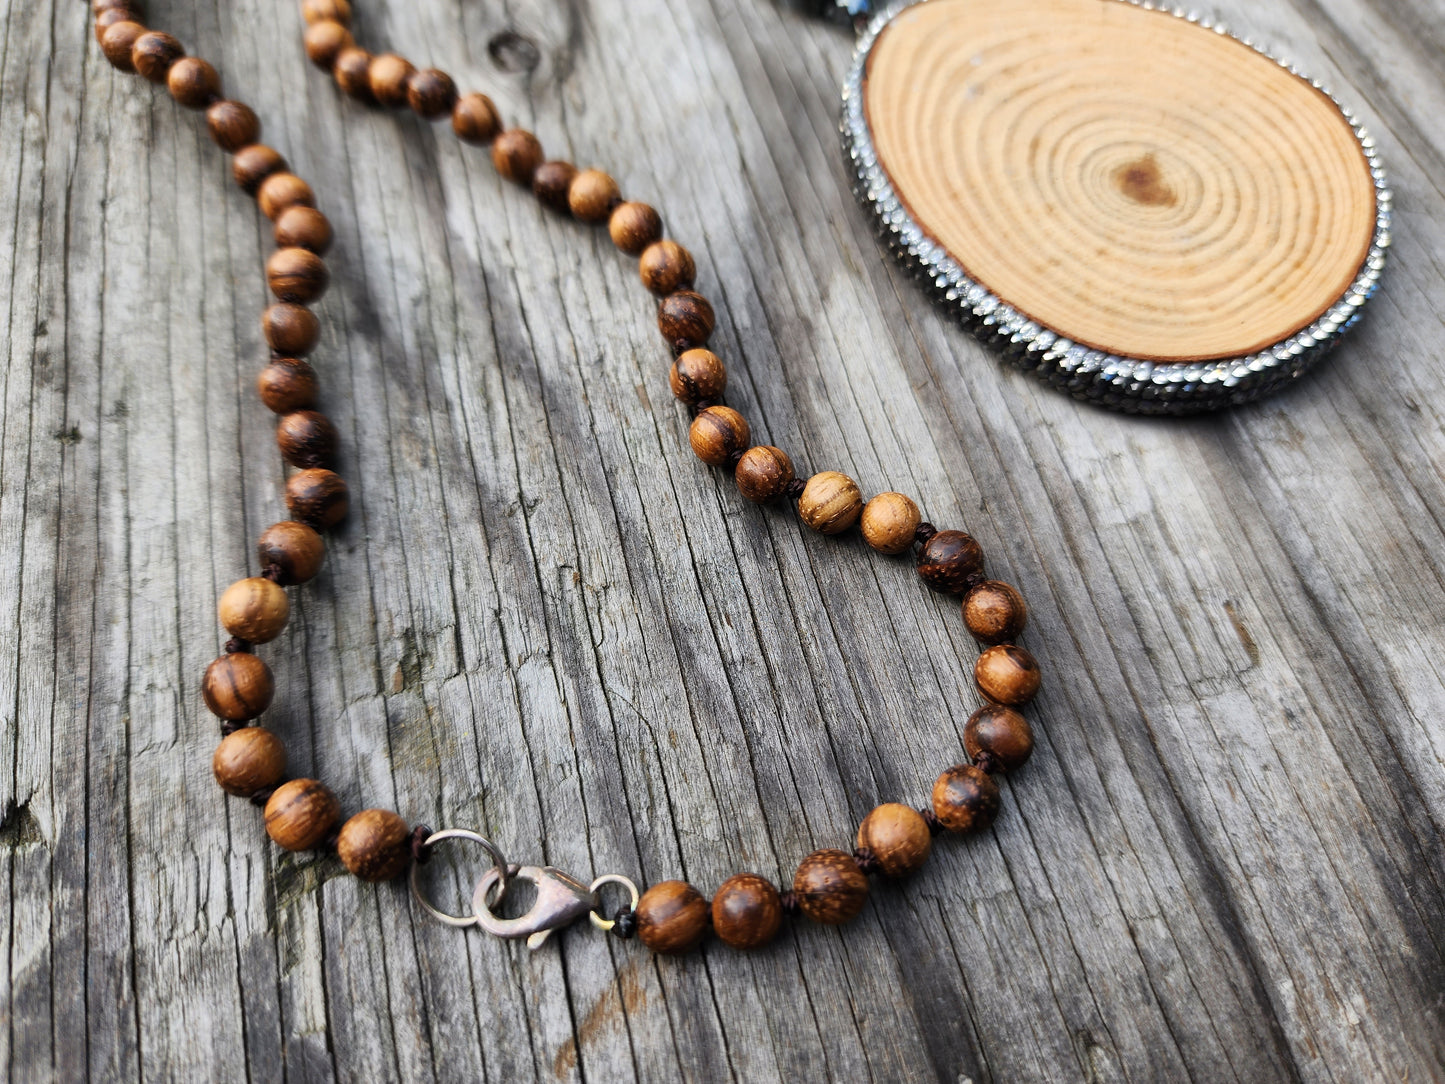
<point x="545" y="620"/>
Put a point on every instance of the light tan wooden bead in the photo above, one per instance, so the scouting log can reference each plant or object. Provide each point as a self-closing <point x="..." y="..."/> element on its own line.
<point x="118" y="41"/>
<point x="282" y="190"/>
<point x="1007" y="675"/>
<point x="315" y="11"/>
<point x="831" y="502"/>
<point x="249" y="761"/>
<point x="254" y="610"/>
<point x="666" y="267"/>
<point x="965" y="799"/>
<point x="889" y="521"/>
<point x="388" y="77"/>
<point x="634" y="226"/>
<point x="153" y="54"/>
<point x="764" y="473"/>
<point x="698" y="375"/>
<point x="293" y="550"/>
<point x="193" y="83"/>
<point x="516" y="154"/>
<point x="475" y="119"/>
<point x="303" y="227"/>
<point x="717" y="433"/>
<point x="672" y="917"/>
<point x="352" y="71"/>
<point x="375" y="845"/>
<point x="238" y="687"/>
<point x="746" y="911"/>
<point x="995" y="612"/>
<point x="301" y="814"/>
<point x="232" y="125"/>
<point x="324" y="41"/>
<point x="898" y="837"/>
<point x="592" y="195"/>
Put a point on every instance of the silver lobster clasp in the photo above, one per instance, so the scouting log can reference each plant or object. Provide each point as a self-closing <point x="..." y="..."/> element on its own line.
<point x="560" y="901"/>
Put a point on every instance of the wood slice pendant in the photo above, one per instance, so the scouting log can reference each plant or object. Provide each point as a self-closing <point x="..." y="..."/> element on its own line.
<point x="1133" y="204"/>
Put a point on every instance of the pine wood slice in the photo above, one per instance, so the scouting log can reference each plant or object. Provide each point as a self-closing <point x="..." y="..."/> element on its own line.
<point x="1135" y="182"/>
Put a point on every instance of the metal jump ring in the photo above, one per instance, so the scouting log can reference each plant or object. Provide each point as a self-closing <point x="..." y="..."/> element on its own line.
<point x="606" y="924"/>
<point x="499" y="861"/>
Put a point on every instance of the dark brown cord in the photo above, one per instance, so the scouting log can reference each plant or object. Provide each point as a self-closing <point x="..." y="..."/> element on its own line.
<point x="867" y="860"/>
<point x="789" y="900"/>
<point x="987" y="762"/>
<point x="420" y="852"/>
<point x="237" y="646"/>
<point x="795" y="488"/>
<point x="930" y="818"/>
<point x="923" y="532"/>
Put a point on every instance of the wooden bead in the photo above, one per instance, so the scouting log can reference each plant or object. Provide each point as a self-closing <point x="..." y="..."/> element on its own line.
<point x="238" y="687"/>
<point x="249" y="761"/>
<point x="153" y="54"/>
<point x="698" y="375"/>
<point x="593" y="195"/>
<point x="307" y="439"/>
<point x="375" y="845"/>
<point x="1000" y="734"/>
<point x="297" y="274"/>
<point x="290" y="329"/>
<point x="254" y="609"/>
<point x="516" y="154"/>
<point x="315" y="11"/>
<point x="965" y="799"/>
<point x="551" y="182"/>
<point x="764" y="473"/>
<point x="303" y="227"/>
<point x="100" y="7"/>
<point x="253" y="164"/>
<point x="831" y="502"/>
<point x="287" y="384"/>
<point x="747" y="911"/>
<point x="475" y="119"/>
<point x="109" y="18"/>
<point x="666" y="267"/>
<point x="388" y="77"/>
<point x="672" y="917"/>
<point x="830" y="888"/>
<point x="282" y="190"/>
<point x="889" y="522"/>
<point x="686" y="320"/>
<point x="1007" y="675"/>
<point x="118" y="44"/>
<point x="898" y="837"/>
<point x="633" y="226"/>
<point x="995" y="612"/>
<point x="193" y="82"/>
<point x="717" y="433"/>
<point x="352" y="71"/>
<point x="431" y="93"/>
<point x="324" y="40"/>
<point x="951" y="562"/>
<point x="294" y="550"/>
<point x="318" y="497"/>
<point x="301" y="814"/>
<point x="232" y="125"/>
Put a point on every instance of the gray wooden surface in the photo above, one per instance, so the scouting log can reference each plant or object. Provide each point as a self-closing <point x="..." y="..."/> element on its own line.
<point x="547" y="621"/>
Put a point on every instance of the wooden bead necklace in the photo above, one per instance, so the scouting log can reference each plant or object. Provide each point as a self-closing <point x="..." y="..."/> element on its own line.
<point x="830" y="886"/>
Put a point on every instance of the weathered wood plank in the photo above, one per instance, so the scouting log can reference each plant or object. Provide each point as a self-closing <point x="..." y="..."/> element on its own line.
<point x="545" y="620"/>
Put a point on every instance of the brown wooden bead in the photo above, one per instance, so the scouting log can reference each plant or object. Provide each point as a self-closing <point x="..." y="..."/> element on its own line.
<point x="431" y="93"/>
<point x="153" y="54"/>
<point x="965" y="799"/>
<point x="388" y="76"/>
<point x="100" y="7"/>
<point x="831" y="502"/>
<point x="672" y="917"/>
<point x="251" y="760"/>
<point x="293" y="550"/>
<point x="324" y="40"/>
<point x="686" y="320"/>
<point x="951" y="562"/>
<point x="475" y="120"/>
<point x="763" y="473"/>
<point x="717" y="433"/>
<point x="375" y="845"/>
<point x="253" y="164"/>
<point x="291" y="329"/>
<point x="747" y="911"/>
<point x="282" y="190"/>
<point x="666" y="267"/>
<point x="109" y="17"/>
<point x="193" y="82"/>
<point x="297" y="274"/>
<point x="232" y="125"/>
<point x="830" y="888"/>
<point x="254" y="609"/>
<point x="301" y="814"/>
<point x="995" y="612"/>
<point x="117" y="42"/>
<point x="593" y="195"/>
<point x="516" y="154"/>
<point x="898" y="837"/>
<point x="315" y="11"/>
<point x="889" y="521"/>
<point x="238" y="687"/>
<point x="633" y="226"/>
<point x="318" y="497"/>
<point x="1007" y="675"/>
<point x="307" y="439"/>
<point x="698" y="375"/>
<point x="1000" y="734"/>
<point x="303" y="227"/>
<point x="352" y="71"/>
<point x="550" y="184"/>
<point x="287" y="384"/>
